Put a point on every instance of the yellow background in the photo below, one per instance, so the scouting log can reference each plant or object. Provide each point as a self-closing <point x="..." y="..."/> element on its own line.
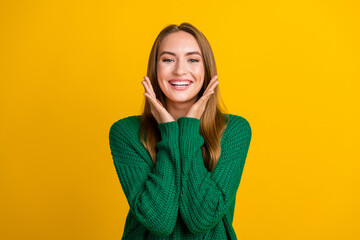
<point x="69" y="69"/>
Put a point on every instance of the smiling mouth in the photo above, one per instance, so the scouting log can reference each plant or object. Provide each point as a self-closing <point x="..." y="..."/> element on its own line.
<point x="180" y="83"/>
<point x="180" y="86"/>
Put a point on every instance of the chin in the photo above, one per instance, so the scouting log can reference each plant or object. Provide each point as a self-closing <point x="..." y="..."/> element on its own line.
<point x="181" y="99"/>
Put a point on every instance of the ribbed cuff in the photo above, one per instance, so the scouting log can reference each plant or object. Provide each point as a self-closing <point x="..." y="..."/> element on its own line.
<point x="189" y="127"/>
<point x="169" y="130"/>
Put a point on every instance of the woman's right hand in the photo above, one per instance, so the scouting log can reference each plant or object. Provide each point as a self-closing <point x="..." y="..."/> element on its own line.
<point x="157" y="109"/>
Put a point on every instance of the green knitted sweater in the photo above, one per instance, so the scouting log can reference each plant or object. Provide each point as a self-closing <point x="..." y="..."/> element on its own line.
<point x="178" y="198"/>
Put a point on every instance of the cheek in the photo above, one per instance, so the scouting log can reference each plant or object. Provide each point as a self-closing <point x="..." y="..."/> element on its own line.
<point x="161" y="76"/>
<point x="163" y="67"/>
<point x="198" y="70"/>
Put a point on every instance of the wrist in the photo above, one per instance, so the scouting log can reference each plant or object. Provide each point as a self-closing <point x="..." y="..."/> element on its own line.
<point x="189" y="127"/>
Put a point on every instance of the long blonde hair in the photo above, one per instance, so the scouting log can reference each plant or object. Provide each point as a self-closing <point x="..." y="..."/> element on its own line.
<point x="212" y="121"/>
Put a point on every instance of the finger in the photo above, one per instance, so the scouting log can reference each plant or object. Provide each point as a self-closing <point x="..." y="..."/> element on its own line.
<point x="205" y="97"/>
<point x="147" y="79"/>
<point x="159" y="102"/>
<point x="213" y="83"/>
<point x="152" y="105"/>
<point x="208" y="95"/>
<point x="214" y="86"/>
<point x="154" y="102"/>
<point x="146" y="86"/>
<point x="150" y="98"/>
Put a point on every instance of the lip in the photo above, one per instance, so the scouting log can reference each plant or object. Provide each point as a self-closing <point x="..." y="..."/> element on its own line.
<point x="180" y="79"/>
<point x="180" y="88"/>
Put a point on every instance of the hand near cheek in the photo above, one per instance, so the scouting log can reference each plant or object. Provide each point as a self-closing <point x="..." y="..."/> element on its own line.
<point x="157" y="109"/>
<point x="198" y="108"/>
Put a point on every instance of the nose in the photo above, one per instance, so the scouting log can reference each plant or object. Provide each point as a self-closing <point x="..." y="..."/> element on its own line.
<point x="180" y="68"/>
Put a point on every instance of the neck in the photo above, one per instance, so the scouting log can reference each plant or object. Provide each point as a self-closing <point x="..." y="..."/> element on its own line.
<point x="179" y="109"/>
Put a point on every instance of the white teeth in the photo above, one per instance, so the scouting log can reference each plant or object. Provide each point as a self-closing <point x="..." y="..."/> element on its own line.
<point x="180" y="83"/>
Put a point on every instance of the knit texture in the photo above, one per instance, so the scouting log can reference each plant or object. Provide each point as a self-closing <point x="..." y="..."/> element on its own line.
<point x="178" y="198"/>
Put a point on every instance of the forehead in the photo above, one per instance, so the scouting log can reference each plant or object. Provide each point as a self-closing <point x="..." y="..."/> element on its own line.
<point x="179" y="42"/>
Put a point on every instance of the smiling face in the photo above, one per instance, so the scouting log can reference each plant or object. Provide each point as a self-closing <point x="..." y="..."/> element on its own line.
<point x="180" y="68"/>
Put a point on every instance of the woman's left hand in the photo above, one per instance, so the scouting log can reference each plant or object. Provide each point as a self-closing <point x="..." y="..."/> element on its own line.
<point x="198" y="108"/>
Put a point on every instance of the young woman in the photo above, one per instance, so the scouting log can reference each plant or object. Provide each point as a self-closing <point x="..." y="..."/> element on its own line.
<point x="180" y="162"/>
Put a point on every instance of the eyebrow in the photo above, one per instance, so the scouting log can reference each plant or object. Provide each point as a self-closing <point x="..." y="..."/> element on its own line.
<point x="188" y="53"/>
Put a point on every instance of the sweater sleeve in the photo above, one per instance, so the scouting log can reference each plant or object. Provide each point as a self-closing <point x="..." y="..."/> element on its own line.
<point x="151" y="191"/>
<point x="206" y="196"/>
